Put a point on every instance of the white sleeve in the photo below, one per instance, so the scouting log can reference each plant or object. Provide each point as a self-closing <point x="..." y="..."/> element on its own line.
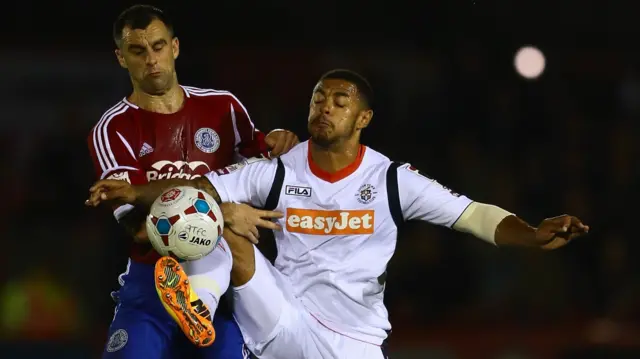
<point x="425" y="199"/>
<point x="210" y="276"/>
<point x="248" y="182"/>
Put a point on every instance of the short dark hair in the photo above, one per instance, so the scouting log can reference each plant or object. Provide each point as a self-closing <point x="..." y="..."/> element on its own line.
<point x="364" y="87"/>
<point x="139" y="17"/>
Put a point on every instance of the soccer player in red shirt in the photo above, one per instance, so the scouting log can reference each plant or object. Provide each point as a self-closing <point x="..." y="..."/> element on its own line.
<point x="165" y="130"/>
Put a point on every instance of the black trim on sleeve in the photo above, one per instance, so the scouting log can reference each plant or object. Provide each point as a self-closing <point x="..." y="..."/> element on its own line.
<point x="393" y="193"/>
<point x="276" y="188"/>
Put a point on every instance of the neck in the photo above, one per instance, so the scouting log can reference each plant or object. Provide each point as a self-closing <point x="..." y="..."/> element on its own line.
<point x="335" y="157"/>
<point x="168" y="102"/>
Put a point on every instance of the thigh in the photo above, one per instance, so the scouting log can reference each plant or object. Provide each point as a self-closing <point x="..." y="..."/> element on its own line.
<point x="260" y="305"/>
<point x="355" y="349"/>
<point x="136" y="334"/>
<point x="292" y="340"/>
<point x="331" y="344"/>
<point x="270" y="317"/>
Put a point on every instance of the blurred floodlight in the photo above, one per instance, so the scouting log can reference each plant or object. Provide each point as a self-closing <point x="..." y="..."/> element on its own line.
<point x="529" y="62"/>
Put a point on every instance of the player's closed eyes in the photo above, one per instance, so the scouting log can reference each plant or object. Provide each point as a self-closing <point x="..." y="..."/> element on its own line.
<point x="137" y="50"/>
<point x="341" y="101"/>
<point x="159" y="45"/>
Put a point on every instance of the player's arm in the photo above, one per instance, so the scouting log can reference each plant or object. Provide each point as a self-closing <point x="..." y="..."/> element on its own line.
<point x="490" y="222"/>
<point x="113" y="158"/>
<point x="251" y="142"/>
<point x="425" y="199"/>
<point x="248" y="183"/>
<point x="146" y="194"/>
<point x="123" y="193"/>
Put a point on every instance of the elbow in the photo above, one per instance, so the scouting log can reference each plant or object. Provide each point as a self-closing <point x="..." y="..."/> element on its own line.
<point x="204" y="184"/>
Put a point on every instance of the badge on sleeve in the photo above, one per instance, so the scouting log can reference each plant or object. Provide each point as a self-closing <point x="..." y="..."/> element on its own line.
<point x="416" y="171"/>
<point x="236" y="166"/>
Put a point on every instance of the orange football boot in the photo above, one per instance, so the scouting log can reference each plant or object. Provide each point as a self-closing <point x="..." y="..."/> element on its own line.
<point x="182" y="303"/>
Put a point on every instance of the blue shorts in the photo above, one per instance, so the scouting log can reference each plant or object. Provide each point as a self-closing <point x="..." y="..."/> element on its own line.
<point x="141" y="327"/>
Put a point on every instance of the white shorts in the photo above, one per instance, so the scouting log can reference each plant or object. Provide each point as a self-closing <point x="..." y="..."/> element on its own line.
<point x="275" y="325"/>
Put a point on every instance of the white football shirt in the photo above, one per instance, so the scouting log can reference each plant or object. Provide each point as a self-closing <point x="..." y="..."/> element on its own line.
<point x="338" y="232"/>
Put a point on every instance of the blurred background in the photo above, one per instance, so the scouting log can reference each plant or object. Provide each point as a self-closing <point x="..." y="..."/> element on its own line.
<point x="450" y="100"/>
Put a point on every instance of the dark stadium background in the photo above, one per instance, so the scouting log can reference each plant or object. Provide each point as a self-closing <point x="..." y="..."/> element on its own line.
<point x="449" y="102"/>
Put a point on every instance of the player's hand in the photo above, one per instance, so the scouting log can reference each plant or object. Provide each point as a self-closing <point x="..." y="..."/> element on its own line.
<point x="244" y="220"/>
<point x="556" y="232"/>
<point x="281" y="141"/>
<point x="111" y="191"/>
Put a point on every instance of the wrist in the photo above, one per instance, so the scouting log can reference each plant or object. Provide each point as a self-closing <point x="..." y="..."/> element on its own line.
<point x="540" y="240"/>
<point x="226" y="209"/>
<point x="514" y="231"/>
<point x="136" y="196"/>
<point x="133" y="196"/>
<point x="532" y="237"/>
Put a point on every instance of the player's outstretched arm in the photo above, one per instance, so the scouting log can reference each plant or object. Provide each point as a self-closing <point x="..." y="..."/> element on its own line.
<point x="494" y="224"/>
<point x="422" y="198"/>
<point x="239" y="218"/>
<point x="145" y="194"/>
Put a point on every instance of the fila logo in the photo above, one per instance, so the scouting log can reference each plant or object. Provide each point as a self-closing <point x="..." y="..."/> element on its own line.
<point x="298" y="191"/>
<point x="320" y="222"/>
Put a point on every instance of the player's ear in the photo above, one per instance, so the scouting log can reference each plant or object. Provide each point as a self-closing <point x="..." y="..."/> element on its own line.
<point x="364" y="118"/>
<point x="120" y="58"/>
<point x="175" y="47"/>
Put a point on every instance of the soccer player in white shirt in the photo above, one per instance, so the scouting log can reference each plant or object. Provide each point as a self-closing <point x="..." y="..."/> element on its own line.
<point x="341" y="205"/>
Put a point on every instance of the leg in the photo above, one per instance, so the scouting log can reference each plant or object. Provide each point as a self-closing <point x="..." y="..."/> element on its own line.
<point x="136" y="334"/>
<point x="190" y="291"/>
<point x="258" y="300"/>
<point x="264" y="306"/>
<point x="334" y="345"/>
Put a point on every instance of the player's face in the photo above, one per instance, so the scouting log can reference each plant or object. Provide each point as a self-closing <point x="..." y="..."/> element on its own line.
<point x="149" y="54"/>
<point x="336" y="112"/>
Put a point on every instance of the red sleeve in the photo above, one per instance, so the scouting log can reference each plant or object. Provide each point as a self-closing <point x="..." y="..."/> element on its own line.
<point x="249" y="140"/>
<point x="113" y="153"/>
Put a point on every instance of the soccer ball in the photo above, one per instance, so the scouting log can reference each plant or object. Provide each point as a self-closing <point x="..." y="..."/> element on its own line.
<point x="185" y="222"/>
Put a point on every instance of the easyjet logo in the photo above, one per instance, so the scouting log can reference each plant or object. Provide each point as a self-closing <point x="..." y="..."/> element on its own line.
<point x="320" y="222"/>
